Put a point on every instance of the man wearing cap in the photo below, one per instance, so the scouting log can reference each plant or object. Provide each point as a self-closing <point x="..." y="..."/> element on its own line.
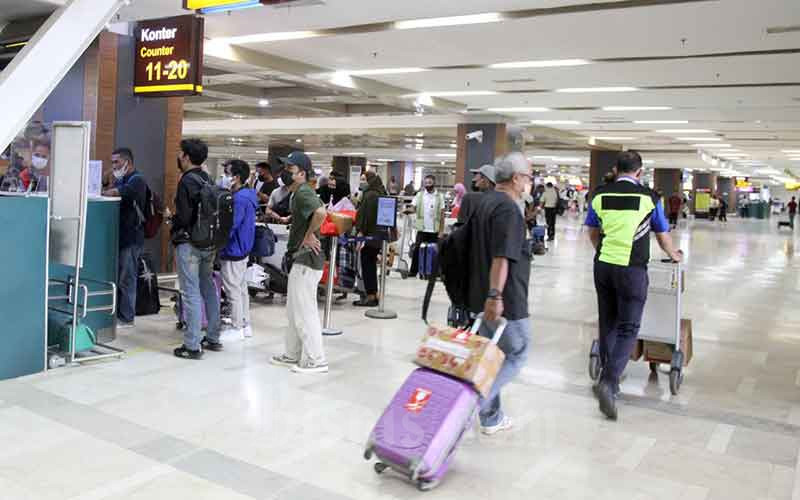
<point x="621" y="216"/>
<point x="482" y="181"/>
<point x="500" y="265"/>
<point x="304" y="350"/>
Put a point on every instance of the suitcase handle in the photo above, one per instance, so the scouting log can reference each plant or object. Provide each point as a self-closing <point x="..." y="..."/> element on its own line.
<point x="497" y="333"/>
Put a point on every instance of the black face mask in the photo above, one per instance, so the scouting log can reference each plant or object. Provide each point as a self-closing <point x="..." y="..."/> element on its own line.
<point x="286" y="177"/>
<point x="429" y="189"/>
<point x="475" y="186"/>
<point x="180" y="167"/>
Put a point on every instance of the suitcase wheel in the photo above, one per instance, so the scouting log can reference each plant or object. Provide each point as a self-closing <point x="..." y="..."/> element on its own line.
<point x="380" y="467"/>
<point x="427" y="485"/>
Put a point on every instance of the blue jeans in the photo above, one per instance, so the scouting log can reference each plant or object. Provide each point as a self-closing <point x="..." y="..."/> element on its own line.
<point x="195" y="269"/>
<point x="514" y="343"/>
<point x="126" y="282"/>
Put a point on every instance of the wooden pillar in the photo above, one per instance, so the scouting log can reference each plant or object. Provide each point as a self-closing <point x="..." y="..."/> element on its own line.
<point x="174" y="133"/>
<point x="100" y="95"/>
<point x="472" y="154"/>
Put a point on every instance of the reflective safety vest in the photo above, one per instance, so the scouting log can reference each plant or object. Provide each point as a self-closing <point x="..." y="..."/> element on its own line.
<point x="624" y="210"/>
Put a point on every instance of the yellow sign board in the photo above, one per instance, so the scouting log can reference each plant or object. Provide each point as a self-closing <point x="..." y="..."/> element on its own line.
<point x="204" y="4"/>
<point x="792" y="186"/>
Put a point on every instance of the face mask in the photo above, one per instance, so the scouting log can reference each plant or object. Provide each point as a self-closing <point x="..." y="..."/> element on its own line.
<point x="429" y="189"/>
<point x="475" y="186"/>
<point x="225" y="182"/>
<point x="119" y="174"/>
<point x="38" y="162"/>
<point x="180" y="165"/>
<point x="363" y="186"/>
<point x="287" y="178"/>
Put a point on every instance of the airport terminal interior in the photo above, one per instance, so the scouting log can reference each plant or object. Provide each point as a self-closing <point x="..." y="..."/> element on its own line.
<point x="429" y="98"/>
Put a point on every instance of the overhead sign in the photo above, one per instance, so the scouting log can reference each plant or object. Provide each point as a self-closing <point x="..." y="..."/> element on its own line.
<point x="233" y="4"/>
<point x="169" y="57"/>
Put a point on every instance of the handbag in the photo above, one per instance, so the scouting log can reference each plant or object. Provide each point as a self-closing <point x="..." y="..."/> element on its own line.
<point x="59" y="328"/>
<point x="264" y="245"/>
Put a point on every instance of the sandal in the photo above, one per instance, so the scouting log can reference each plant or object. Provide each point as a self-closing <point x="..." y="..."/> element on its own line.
<point x="183" y="352"/>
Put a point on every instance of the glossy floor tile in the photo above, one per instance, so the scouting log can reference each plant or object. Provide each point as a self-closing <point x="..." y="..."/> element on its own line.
<point x="232" y="426"/>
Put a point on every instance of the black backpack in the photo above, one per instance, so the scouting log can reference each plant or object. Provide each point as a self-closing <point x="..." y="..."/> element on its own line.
<point x="453" y="260"/>
<point x="214" y="217"/>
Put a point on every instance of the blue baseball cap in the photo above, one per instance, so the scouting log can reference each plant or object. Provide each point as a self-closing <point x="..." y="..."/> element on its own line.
<point x="301" y="161"/>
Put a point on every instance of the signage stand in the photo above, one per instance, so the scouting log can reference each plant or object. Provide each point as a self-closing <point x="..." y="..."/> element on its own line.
<point x="387" y="219"/>
<point x="327" y="329"/>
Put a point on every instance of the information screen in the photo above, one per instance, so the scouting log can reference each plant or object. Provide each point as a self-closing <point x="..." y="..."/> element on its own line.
<point x="169" y="57"/>
<point x="387" y="212"/>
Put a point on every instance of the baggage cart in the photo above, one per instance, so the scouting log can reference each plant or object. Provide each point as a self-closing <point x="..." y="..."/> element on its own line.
<point x="661" y="321"/>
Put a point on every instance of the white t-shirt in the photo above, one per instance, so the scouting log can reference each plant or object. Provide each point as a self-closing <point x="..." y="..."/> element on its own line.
<point x="428" y="209"/>
<point x="550" y="198"/>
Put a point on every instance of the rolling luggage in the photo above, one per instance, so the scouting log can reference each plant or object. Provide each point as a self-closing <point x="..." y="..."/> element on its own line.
<point x="428" y="253"/>
<point x="147" y="300"/>
<point x="278" y="280"/>
<point x="421" y="428"/>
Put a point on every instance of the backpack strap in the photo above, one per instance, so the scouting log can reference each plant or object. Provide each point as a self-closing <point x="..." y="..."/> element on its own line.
<point x="139" y="212"/>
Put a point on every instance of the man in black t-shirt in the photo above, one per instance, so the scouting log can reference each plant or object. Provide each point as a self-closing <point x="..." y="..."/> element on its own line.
<point x="265" y="183"/>
<point x="500" y="262"/>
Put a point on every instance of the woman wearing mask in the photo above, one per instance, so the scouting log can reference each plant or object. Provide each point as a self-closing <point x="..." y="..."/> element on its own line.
<point x="459" y="190"/>
<point x="366" y="224"/>
<point x="341" y="204"/>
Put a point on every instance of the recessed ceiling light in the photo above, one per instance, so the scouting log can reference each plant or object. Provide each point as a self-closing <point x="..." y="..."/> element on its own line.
<point x="555" y="122"/>
<point x="540" y="64"/>
<point x="690" y="139"/>
<point x="298" y="140"/>
<point x="684" y="131"/>
<point x="267" y="37"/>
<point x="519" y="110"/>
<point x="452" y="93"/>
<point x="582" y="90"/>
<point x="263" y="103"/>
<point x="711" y="145"/>
<point x="435" y="22"/>
<point x="614" y="138"/>
<point x="660" y="122"/>
<point x="636" y="108"/>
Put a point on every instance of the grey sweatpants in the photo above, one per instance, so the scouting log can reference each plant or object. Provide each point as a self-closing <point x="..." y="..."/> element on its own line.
<point x="233" y="279"/>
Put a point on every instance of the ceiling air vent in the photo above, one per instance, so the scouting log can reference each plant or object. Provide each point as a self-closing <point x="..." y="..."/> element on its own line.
<point x="780" y="30"/>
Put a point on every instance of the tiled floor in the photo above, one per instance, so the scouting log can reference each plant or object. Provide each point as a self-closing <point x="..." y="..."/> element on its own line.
<point x="234" y="427"/>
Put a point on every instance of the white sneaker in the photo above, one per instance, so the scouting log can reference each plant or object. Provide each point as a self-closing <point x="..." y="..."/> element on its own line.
<point x="310" y="368"/>
<point x="248" y="332"/>
<point x="283" y="360"/>
<point x="504" y="425"/>
<point x="231" y="335"/>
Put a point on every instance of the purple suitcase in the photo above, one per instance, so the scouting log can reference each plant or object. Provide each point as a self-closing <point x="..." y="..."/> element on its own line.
<point x="422" y="426"/>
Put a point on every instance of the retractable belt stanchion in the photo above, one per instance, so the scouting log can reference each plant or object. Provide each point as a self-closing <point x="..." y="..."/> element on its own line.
<point x="381" y="312"/>
<point x="327" y="329"/>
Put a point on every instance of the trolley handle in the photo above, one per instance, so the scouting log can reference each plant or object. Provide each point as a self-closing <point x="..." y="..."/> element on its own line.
<point x="497" y="333"/>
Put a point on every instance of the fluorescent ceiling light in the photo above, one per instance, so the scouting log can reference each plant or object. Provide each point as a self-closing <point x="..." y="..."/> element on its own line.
<point x="730" y="151"/>
<point x="555" y="122"/>
<point x="263" y="103"/>
<point x="566" y="158"/>
<point x="648" y="162"/>
<point x="354" y="154"/>
<point x="540" y="64"/>
<point x="636" y="108"/>
<point x="454" y="146"/>
<point x="541" y="157"/>
<point x="791" y="151"/>
<point x="615" y="138"/>
<point x="446" y="155"/>
<point x="452" y="93"/>
<point x="310" y="153"/>
<point x="684" y="131"/>
<point x="381" y="71"/>
<point x="533" y="109"/>
<point x="387" y="160"/>
<point x="582" y="90"/>
<point x="262" y="152"/>
<point x="711" y="145"/>
<point x="691" y="139"/>
<point x="435" y="22"/>
<point x="267" y="37"/>
<point x="660" y="122"/>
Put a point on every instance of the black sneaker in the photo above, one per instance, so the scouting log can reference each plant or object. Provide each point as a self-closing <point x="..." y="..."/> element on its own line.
<point x="210" y="346"/>
<point x="608" y="404"/>
<point x="183" y="352"/>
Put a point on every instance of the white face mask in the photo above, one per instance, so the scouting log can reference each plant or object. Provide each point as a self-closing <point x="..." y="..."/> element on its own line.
<point x="38" y="162"/>
<point x="225" y="182"/>
<point x="119" y="174"/>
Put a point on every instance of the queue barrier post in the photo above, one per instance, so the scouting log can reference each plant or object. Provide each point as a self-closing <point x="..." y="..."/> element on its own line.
<point x="327" y="329"/>
<point x="381" y="312"/>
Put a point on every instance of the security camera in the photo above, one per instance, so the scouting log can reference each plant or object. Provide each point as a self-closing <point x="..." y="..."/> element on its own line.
<point x="476" y="136"/>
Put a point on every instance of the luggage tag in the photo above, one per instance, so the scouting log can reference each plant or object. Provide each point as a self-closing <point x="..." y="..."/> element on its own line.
<point x="419" y="398"/>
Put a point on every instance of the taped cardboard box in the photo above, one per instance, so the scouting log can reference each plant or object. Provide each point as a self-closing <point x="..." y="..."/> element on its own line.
<point x="662" y="353"/>
<point x="459" y="353"/>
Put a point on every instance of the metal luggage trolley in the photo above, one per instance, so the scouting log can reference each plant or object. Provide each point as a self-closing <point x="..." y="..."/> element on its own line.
<point x="661" y="320"/>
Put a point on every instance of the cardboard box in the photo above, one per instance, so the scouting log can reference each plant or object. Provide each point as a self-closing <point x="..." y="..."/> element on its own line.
<point x="471" y="358"/>
<point x="343" y="221"/>
<point x="662" y="353"/>
<point x="638" y="349"/>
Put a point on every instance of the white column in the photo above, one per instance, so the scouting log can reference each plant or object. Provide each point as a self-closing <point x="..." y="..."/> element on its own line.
<point x="40" y="66"/>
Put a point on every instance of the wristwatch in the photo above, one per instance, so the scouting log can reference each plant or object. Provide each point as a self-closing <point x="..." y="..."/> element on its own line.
<point x="495" y="294"/>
